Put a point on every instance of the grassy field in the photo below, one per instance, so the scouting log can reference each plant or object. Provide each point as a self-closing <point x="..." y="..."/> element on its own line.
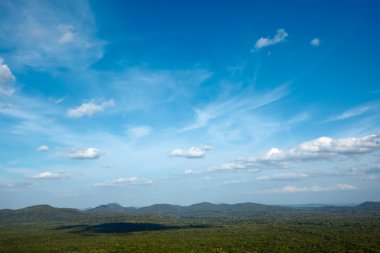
<point x="310" y="232"/>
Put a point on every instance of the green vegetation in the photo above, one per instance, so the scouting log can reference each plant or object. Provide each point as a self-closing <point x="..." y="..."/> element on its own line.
<point x="286" y="230"/>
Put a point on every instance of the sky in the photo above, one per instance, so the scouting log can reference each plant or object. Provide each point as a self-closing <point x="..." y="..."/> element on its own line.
<point x="180" y="102"/>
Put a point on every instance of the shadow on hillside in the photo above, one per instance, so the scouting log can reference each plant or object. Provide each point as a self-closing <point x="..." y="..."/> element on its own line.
<point x="124" y="227"/>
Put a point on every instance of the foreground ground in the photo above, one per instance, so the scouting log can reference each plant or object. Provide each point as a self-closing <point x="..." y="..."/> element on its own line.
<point x="309" y="232"/>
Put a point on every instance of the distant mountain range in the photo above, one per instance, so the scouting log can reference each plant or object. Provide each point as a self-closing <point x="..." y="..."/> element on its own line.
<point x="200" y="210"/>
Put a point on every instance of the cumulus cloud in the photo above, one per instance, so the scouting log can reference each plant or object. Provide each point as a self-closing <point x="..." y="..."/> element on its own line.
<point x="323" y="148"/>
<point x="326" y="147"/>
<point x="6" y="79"/>
<point x="320" y="149"/>
<point x="43" y="148"/>
<point x="49" y="175"/>
<point x="193" y="152"/>
<point x="279" y="36"/>
<point x="90" y="153"/>
<point x="189" y="172"/>
<point x="315" y="42"/>
<point x="314" y="188"/>
<point x="89" y="109"/>
<point x="125" y="181"/>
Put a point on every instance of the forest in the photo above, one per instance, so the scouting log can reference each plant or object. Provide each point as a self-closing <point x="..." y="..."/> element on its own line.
<point x="234" y="228"/>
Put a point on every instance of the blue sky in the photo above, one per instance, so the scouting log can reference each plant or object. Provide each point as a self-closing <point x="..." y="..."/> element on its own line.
<point x="144" y="102"/>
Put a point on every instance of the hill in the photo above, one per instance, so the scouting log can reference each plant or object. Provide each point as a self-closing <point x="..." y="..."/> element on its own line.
<point x="46" y="213"/>
<point x="369" y="206"/>
<point x="204" y="209"/>
<point x="40" y="213"/>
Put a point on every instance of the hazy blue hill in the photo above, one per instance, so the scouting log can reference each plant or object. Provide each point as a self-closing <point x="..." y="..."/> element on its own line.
<point x="369" y="206"/>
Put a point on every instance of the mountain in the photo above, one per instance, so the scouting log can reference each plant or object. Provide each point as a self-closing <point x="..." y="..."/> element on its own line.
<point x="312" y="205"/>
<point x="46" y="213"/>
<point x="110" y="208"/>
<point x="368" y="206"/>
<point x="40" y="213"/>
<point x="204" y="209"/>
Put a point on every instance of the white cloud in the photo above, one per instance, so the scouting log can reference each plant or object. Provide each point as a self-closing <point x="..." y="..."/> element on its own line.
<point x="280" y="36"/>
<point x="67" y="34"/>
<point x="90" y="153"/>
<point x="48" y="35"/>
<point x="315" y="42"/>
<point x="17" y="185"/>
<point x="234" y="166"/>
<point x="324" y="148"/>
<point x="137" y="88"/>
<point x="206" y="147"/>
<point x="6" y="79"/>
<point x="193" y="152"/>
<point x="314" y="188"/>
<point x="235" y="181"/>
<point x="59" y="100"/>
<point x="125" y="181"/>
<point x="356" y="111"/>
<point x="238" y="103"/>
<point x="43" y="148"/>
<point x="284" y="176"/>
<point x="89" y="109"/>
<point x="189" y="172"/>
<point x="345" y="187"/>
<point x="138" y="132"/>
<point x="320" y="149"/>
<point x="49" y="175"/>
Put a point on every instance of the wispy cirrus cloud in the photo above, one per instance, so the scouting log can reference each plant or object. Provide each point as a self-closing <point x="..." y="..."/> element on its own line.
<point x="314" y="188"/>
<point x="280" y="36"/>
<point x="49" y="34"/>
<point x="125" y="181"/>
<point x="238" y="103"/>
<point x="138" y="132"/>
<point x="283" y="177"/>
<point x="17" y="185"/>
<point x="82" y="154"/>
<point x="356" y="111"/>
<point x="89" y="109"/>
<point x="235" y="182"/>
